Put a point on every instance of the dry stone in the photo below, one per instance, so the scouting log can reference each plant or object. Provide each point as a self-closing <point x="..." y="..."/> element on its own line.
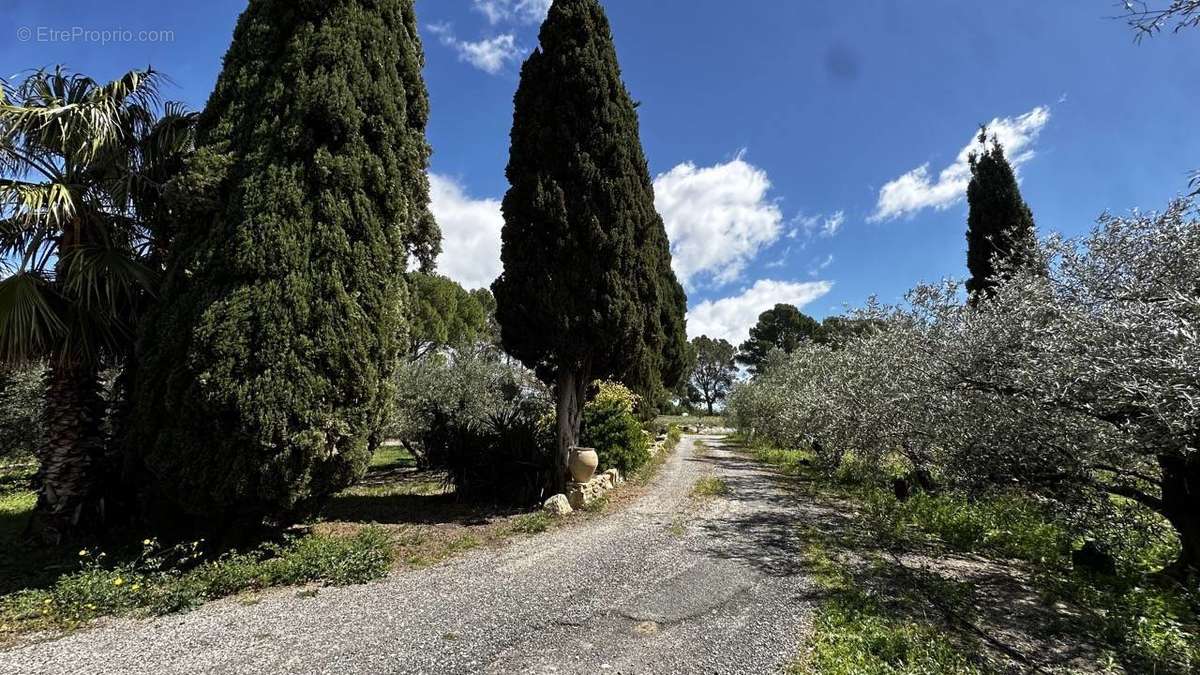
<point x="558" y="505"/>
<point x="580" y="495"/>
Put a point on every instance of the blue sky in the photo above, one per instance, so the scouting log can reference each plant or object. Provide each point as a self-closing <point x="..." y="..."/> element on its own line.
<point x="787" y="138"/>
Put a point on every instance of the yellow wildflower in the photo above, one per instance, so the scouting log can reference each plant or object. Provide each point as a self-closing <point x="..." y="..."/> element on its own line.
<point x="83" y="551"/>
<point x="145" y="542"/>
<point x="46" y="601"/>
<point x="136" y="586"/>
<point x="118" y="581"/>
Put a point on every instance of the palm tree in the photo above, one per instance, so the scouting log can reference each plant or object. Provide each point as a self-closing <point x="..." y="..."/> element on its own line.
<point x="82" y="165"/>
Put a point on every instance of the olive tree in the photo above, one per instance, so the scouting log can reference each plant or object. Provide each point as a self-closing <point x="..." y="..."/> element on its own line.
<point x="1076" y="380"/>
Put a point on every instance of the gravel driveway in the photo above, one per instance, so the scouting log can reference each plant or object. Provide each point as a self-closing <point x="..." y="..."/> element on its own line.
<point x="669" y="584"/>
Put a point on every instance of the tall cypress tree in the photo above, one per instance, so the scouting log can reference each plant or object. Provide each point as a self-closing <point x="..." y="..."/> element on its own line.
<point x="587" y="289"/>
<point x="1000" y="225"/>
<point x="264" y="377"/>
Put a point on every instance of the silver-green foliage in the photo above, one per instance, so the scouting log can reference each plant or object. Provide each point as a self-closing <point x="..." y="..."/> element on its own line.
<point x="462" y="389"/>
<point x="1079" y="385"/>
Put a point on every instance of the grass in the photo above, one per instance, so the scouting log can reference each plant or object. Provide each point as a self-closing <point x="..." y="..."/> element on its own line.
<point x="394" y="517"/>
<point x="389" y="457"/>
<point x="51" y="588"/>
<point x="1145" y="625"/>
<point x="598" y="505"/>
<point x="161" y="581"/>
<point x="533" y="523"/>
<point x="790" y="462"/>
<point x="710" y="486"/>
<point x="856" y="632"/>
<point x="691" y="420"/>
<point x="678" y="527"/>
<point x="20" y="566"/>
<point x="1004" y="524"/>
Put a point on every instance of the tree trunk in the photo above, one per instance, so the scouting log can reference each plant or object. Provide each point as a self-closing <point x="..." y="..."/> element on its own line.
<point x="569" y="394"/>
<point x="69" y="481"/>
<point x="1181" y="507"/>
<point x="710" y="408"/>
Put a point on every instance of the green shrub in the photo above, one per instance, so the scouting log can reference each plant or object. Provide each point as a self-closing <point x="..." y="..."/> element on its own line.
<point x="617" y="394"/>
<point x="486" y="422"/>
<point x="440" y="391"/>
<point x="674" y="435"/>
<point x="610" y="427"/>
<point x="336" y="561"/>
<point x="22" y="425"/>
<point x="505" y="459"/>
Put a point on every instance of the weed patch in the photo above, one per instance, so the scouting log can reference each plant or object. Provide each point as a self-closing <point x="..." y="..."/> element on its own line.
<point x="710" y="486"/>
<point x="532" y="523"/>
<point x="856" y="632"/>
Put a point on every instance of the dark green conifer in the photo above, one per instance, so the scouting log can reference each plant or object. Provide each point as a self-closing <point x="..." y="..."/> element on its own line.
<point x="587" y="290"/>
<point x="782" y="327"/>
<point x="264" y="377"/>
<point x="1000" y="229"/>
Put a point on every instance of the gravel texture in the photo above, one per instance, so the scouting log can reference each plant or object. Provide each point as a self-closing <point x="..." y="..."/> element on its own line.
<point x="669" y="584"/>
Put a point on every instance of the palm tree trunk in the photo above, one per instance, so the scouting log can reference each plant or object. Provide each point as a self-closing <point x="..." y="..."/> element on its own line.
<point x="69" y="482"/>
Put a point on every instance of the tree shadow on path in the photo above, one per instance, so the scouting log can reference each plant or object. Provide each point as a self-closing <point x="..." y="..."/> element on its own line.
<point x="988" y="609"/>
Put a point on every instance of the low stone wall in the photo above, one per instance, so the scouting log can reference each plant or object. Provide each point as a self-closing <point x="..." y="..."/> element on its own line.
<point x="579" y="495"/>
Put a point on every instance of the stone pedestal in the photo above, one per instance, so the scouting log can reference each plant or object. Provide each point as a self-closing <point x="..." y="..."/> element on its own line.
<point x="581" y="494"/>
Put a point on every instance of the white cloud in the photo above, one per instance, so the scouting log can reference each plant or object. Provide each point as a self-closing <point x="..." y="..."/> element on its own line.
<point x="833" y="223"/>
<point x="718" y="218"/>
<point x="818" y="225"/>
<point x="732" y="317"/>
<point x="917" y="190"/>
<point x="470" y="233"/>
<point x="781" y="260"/>
<point x="489" y="55"/>
<point x="523" y="11"/>
<point x="818" y="267"/>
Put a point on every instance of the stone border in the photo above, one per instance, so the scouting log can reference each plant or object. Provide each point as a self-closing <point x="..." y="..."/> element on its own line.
<point x="580" y="495"/>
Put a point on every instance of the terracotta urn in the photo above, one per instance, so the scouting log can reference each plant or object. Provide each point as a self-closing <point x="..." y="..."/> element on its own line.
<point x="582" y="463"/>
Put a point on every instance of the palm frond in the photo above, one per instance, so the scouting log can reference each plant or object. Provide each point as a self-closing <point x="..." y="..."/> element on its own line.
<point x="104" y="279"/>
<point x="52" y="202"/>
<point x="73" y="114"/>
<point x="82" y="168"/>
<point x="30" y="326"/>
